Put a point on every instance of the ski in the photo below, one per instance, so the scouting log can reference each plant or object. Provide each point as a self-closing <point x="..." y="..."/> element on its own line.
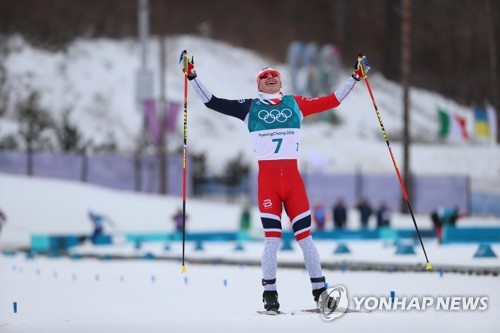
<point x="277" y="312"/>
<point x="271" y="312"/>
<point x="347" y="310"/>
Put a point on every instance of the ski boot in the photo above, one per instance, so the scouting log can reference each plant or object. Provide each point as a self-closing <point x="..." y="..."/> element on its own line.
<point x="270" y="299"/>
<point x="323" y="300"/>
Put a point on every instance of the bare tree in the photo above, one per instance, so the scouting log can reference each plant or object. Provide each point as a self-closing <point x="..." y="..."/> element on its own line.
<point x="69" y="136"/>
<point x="35" y="123"/>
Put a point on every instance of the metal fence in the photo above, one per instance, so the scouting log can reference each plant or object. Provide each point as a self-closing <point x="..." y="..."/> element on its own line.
<point x="128" y="172"/>
<point x="426" y="193"/>
<point x="118" y="171"/>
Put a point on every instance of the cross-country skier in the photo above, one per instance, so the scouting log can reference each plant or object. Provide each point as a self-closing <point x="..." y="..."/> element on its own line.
<point x="273" y="120"/>
<point x="98" y="221"/>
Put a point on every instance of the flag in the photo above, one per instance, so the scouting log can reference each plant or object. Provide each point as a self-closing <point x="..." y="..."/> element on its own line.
<point x="491" y="115"/>
<point x="481" y="123"/>
<point x="152" y="120"/>
<point x="173" y="112"/>
<point x="452" y="126"/>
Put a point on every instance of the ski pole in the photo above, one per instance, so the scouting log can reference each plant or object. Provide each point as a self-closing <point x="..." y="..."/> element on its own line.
<point x="403" y="189"/>
<point x="185" y="60"/>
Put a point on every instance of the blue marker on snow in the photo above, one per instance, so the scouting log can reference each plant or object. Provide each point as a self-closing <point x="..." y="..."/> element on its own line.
<point x="393" y="295"/>
<point x="225" y="282"/>
<point x="14" y="306"/>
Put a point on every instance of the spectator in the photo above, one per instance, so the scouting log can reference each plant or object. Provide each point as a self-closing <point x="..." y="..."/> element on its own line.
<point x="178" y="220"/>
<point x="444" y="216"/>
<point x="339" y="214"/>
<point x="3" y="220"/>
<point x="245" y="223"/>
<point x="383" y="216"/>
<point x="319" y="216"/>
<point x="245" y="219"/>
<point x="365" y="210"/>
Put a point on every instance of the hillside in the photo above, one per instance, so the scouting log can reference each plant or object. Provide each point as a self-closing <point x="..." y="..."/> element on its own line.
<point x="447" y="37"/>
<point x="96" y="80"/>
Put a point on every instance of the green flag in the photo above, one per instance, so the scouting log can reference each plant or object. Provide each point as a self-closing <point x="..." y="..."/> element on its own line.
<point x="444" y="124"/>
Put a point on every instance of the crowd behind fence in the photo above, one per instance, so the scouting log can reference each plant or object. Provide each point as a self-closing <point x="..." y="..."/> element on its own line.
<point x="428" y="192"/>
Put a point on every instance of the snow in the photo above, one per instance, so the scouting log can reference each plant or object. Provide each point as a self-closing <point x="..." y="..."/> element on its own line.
<point x="60" y="295"/>
<point x="81" y="295"/>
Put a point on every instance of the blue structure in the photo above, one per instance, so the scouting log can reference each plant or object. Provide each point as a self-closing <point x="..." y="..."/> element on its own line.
<point x="239" y="247"/>
<point x="485" y="251"/>
<point x="342" y="249"/>
<point x="471" y="235"/>
<point x="199" y="245"/>
<point x="9" y="252"/>
<point x="149" y="256"/>
<point x="286" y="243"/>
<point x="50" y="243"/>
<point x="31" y="255"/>
<point x="405" y="249"/>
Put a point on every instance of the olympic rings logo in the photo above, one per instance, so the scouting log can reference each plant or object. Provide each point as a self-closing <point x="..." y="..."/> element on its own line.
<point x="274" y="115"/>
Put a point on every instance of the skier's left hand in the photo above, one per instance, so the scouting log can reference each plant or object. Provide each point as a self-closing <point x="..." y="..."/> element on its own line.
<point x="357" y="74"/>
<point x="191" y="72"/>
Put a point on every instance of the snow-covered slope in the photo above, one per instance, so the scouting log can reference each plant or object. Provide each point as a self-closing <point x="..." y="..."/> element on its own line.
<point x="96" y="78"/>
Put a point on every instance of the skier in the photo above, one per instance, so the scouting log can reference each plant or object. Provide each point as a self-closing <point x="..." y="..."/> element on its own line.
<point x="98" y="221"/>
<point x="273" y="120"/>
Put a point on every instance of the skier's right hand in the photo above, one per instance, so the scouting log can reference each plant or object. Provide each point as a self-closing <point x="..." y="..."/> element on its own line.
<point x="357" y="74"/>
<point x="191" y="72"/>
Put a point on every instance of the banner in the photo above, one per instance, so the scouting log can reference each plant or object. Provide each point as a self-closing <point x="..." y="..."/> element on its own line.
<point x="153" y="119"/>
<point x="152" y="122"/>
<point x="174" y="109"/>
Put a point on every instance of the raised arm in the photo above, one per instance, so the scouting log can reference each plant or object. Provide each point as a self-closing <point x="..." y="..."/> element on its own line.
<point x="234" y="108"/>
<point x="231" y="107"/>
<point x="310" y="106"/>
